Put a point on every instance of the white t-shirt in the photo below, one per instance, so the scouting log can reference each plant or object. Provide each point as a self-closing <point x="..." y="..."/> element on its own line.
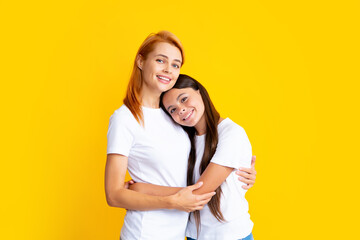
<point x="233" y="150"/>
<point x="158" y="154"/>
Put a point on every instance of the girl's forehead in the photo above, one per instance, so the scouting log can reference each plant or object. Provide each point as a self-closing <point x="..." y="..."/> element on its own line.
<point x="174" y="93"/>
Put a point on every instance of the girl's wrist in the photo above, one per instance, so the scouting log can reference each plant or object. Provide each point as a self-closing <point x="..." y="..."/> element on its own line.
<point x="169" y="202"/>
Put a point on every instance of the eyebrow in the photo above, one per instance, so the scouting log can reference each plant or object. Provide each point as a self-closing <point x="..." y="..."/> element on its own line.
<point x="177" y="99"/>
<point x="162" y="55"/>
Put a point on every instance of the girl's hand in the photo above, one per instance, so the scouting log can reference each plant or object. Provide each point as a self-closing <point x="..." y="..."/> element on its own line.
<point x="248" y="175"/>
<point x="186" y="201"/>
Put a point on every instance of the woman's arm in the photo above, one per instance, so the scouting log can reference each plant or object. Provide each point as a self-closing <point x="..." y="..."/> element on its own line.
<point x="118" y="196"/>
<point x="215" y="174"/>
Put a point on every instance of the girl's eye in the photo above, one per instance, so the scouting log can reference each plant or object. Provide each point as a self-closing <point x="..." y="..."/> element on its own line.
<point x="183" y="99"/>
<point x="159" y="60"/>
<point x="172" y="111"/>
<point x="176" y="66"/>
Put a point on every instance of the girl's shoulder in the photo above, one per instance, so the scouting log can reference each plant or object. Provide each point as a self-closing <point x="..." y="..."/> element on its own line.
<point x="227" y="127"/>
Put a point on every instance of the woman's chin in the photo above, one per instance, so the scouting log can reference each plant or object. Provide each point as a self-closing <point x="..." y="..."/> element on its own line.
<point x="165" y="87"/>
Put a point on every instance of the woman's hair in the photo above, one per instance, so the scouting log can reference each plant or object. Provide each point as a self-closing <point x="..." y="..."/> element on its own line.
<point x="211" y="140"/>
<point x="132" y="99"/>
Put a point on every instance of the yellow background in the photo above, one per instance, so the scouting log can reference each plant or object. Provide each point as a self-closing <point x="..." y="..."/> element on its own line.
<point x="287" y="71"/>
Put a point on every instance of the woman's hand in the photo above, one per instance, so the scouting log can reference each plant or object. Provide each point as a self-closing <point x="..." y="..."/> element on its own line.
<point x="186" y="200"/>
<point x="248" y="175"/>
<point x="128" y="184"/>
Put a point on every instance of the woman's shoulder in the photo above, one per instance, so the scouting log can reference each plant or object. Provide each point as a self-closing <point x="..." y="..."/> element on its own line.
<point x="122" y="114"/>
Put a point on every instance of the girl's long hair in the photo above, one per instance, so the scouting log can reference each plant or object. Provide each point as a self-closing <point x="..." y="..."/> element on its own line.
<point x="132" y="99"/>
<point x="211" y="140"/>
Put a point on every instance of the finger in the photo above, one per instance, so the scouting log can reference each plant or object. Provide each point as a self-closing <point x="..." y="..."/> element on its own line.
<point x="247" y="187"/>
<point x="253" y="161"/>
<point x="203" y="202"/>
<point x="247" y="181"/>
<point x="198" y="208"/>
<point x="247" y="170"/>
<point x="205" y="196"/>
<point x="248" y="176"/>
<point x="243" y="174"/>
<point x="195" y="186"/>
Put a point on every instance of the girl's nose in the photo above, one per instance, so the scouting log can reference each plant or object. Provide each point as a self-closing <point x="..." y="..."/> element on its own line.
<point x="182" y="110"/>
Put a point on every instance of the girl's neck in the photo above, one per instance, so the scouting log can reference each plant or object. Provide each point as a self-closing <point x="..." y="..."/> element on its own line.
<point x="201" y="125"/>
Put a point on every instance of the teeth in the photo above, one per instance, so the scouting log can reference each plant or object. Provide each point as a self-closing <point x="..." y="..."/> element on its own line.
<point x="164" y="78"/>
<point x="188" y="115"/>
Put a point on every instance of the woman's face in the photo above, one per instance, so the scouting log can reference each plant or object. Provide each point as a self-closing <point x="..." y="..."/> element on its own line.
<point x="185" y="106"/>
<point x="161" y="68"/>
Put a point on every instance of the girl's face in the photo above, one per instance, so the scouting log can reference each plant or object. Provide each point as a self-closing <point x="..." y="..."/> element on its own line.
<point x="185" y="106"/>
<point x="161" y="68"/>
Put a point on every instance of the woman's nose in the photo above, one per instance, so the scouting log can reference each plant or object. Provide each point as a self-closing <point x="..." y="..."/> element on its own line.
<point x="167" y="68"/>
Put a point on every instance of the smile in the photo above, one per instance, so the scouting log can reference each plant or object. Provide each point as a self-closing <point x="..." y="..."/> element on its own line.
<point x="163" y="78"/>
<point x="189" y="115"/>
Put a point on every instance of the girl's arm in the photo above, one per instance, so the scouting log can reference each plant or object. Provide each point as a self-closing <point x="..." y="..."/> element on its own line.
<point x="233" y="150"/>
<point x="213" y="176"/>
<point x="154" y="190"/>
<point x="118" y="196"/>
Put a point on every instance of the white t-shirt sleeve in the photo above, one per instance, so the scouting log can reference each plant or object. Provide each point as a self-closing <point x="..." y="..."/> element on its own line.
<point x="120" y="138"/>
<point x="233" y="149"/>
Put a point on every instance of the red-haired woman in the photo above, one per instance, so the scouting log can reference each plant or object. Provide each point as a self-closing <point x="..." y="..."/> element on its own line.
<point x="145" y="141"/>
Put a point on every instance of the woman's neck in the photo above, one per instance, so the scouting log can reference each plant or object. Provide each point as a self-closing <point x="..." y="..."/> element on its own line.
<point x="150" y="98"/>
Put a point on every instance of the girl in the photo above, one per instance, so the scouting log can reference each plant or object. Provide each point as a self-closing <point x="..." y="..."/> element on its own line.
<point x="218" y="146"/>
<point x="145" y="141"/>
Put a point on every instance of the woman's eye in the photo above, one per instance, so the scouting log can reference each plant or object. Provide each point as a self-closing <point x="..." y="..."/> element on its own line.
<point x="176" y="66"/>
<point x="172" y="111"/>
<point x="183" y="99"/>
<point x="159" y="60"/>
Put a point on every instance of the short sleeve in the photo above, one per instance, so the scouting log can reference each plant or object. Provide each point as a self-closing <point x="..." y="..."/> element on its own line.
<point x="233" y="149"/>
<point x="120" y="138"/>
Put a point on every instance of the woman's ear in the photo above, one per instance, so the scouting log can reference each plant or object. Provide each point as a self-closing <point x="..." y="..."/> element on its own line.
<point x="139" y="61"/>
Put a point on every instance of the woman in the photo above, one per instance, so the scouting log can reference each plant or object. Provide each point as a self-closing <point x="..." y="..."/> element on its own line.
<point x="218" y="147"/>
<point x="147" y="143"/>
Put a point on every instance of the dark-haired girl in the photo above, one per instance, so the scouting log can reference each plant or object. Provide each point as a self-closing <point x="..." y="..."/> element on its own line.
<point x="218" y="147"/>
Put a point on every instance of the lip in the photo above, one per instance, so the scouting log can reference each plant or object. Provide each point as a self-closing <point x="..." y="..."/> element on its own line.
<point x="163" y="79"/>
<point x="188" y="116"/>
